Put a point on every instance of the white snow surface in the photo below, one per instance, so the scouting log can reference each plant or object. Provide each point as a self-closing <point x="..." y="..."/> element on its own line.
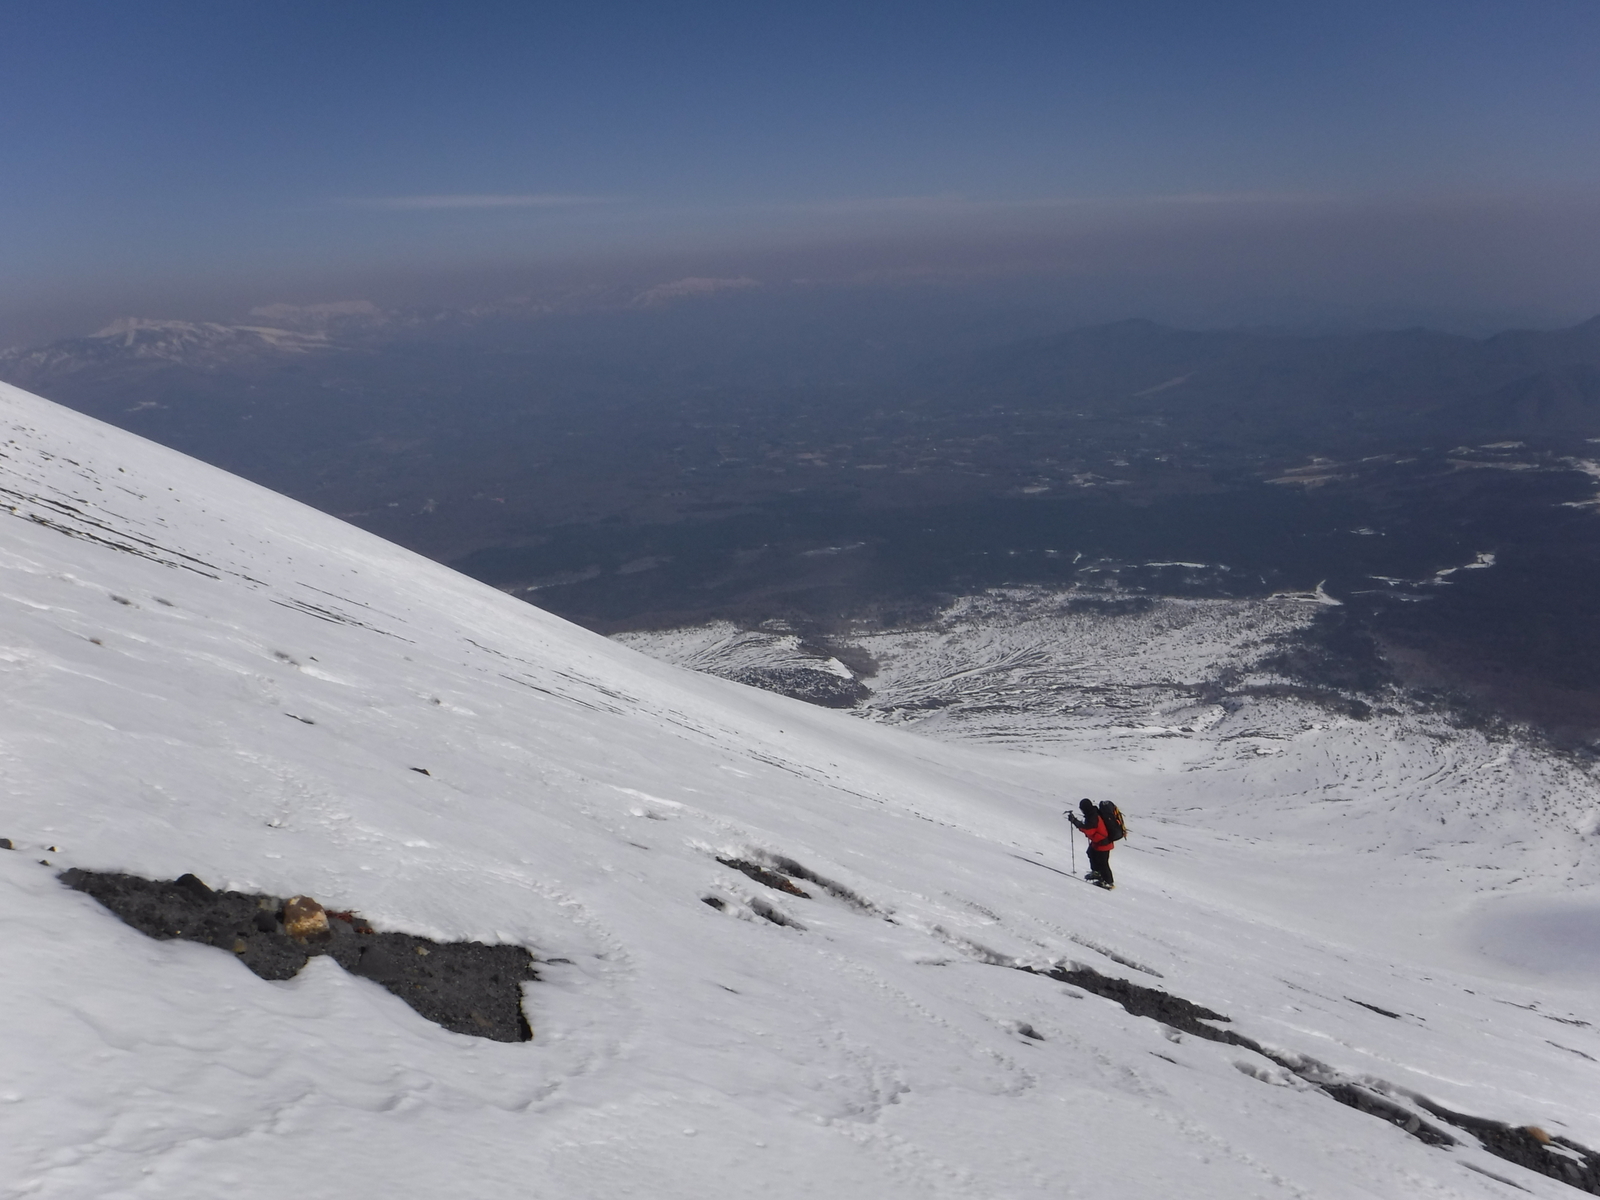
<point x="202" y="676"/>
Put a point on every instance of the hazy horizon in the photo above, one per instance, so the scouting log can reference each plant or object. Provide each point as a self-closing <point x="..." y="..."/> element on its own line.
<point x="1137" y="159"/>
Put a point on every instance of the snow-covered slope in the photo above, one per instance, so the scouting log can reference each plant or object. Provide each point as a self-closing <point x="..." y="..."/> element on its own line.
<point x="201" y="676"/>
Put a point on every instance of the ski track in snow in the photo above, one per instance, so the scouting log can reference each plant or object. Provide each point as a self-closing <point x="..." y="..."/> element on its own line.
<point x="202" y="676"/>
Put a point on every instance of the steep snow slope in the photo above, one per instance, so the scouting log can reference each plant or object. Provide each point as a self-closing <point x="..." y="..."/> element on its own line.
<point x="1184" y="692"/>
<point x="201" y="676"/>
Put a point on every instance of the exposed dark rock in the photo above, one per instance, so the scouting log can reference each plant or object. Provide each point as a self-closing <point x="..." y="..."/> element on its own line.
<point x="195" y="884"/>
<point x="5" y="844"/>
<point x="762" y="909"/>
<point x="1529" y="1147"/>
<point x="837" y="890"/>
<point x="1173" y="1011"/>
<point x="1559" y="1158"/>
<point x="1370" y="1102"/>
<point x="765" y="877"/>
<point x="467" y="987"/>
<point x="1382" y="1012"/>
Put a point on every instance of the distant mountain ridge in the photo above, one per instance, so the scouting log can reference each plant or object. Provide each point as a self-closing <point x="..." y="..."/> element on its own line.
<point x="131" y="341"/>
<point x="1232" y="385"/>
<point x="1249" y="387"/>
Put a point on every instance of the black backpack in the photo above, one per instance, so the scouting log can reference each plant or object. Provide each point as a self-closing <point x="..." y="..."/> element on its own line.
<point x="1112" y="816"/>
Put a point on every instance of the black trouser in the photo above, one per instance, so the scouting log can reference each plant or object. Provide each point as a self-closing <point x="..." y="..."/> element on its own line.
<point x="1100" y="865"/>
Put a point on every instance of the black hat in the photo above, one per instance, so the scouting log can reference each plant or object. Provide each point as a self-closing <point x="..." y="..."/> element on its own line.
<point x="1086" y="804"/>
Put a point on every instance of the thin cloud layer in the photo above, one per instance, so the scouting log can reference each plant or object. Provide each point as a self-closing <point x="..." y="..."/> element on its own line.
<point x="469" y="201"/>
<point x="1469" y="263"/>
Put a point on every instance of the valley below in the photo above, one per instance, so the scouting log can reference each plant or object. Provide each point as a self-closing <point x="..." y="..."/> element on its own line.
<point x="835" y="463"/>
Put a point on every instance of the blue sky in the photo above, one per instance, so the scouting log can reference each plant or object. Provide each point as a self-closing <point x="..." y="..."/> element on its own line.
<point x="170" y="149"/>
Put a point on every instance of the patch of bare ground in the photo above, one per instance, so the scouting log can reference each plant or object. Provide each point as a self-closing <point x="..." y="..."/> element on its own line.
<point x="467" y="987"/>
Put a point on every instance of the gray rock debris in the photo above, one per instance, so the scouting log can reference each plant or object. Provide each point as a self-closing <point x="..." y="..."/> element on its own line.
<point x="467" y="987"/>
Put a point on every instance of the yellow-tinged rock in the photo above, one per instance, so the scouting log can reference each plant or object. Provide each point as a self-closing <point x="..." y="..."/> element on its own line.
<point x="304" y="918"/>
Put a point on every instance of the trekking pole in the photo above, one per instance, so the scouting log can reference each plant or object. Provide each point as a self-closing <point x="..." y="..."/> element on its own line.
<point x="1072" y="845"/>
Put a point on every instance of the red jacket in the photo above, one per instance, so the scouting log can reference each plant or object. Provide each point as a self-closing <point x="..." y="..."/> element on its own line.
<point x="1097" y="833"/>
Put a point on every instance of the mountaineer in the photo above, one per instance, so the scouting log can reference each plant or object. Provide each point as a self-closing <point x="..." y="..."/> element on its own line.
<point x="1103" y="827"/>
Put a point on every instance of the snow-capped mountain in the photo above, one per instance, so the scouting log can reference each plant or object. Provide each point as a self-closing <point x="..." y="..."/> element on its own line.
<point x="781" y="950"/>
<point x="274" y="333"/>
<point x="138" y="341"/>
